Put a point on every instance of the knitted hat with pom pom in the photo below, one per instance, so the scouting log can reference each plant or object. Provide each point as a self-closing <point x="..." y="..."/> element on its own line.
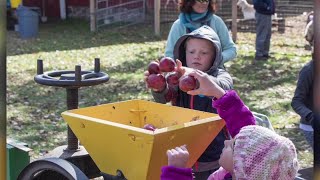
<point x="260" y="153"/>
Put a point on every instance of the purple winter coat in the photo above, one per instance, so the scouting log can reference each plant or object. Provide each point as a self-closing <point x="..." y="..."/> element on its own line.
<point x="236" y="115"/>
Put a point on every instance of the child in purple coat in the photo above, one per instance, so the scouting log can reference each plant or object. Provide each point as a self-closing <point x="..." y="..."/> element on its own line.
<point x="254" y="152"/>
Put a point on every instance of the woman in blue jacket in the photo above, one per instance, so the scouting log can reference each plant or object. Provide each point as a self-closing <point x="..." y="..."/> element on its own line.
<point x="194" y="14"/>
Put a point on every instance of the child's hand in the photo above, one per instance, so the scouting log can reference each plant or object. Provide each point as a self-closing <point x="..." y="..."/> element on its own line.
<point x="182" y="69"/>
<point x="146" y="75"/>
<point x="207" y="86"/>
<point x="178" y="157"/>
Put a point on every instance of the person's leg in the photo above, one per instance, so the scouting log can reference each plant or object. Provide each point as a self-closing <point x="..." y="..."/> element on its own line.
<point x="309" y="137"/>
<point x="268" y="29"/>
<point x="261" y="34"/>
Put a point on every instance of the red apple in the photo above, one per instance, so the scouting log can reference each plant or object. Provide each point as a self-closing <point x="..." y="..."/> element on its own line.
<point x="156" y="81"/>
<point x="187" y="83"/>
<point x="167" y="64"/>
<point x="153" y="68"/>
<point x="173" y="78"/>
<point x="149" y="127"/>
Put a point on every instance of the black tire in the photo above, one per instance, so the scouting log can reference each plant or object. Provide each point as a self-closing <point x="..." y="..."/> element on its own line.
<point x="51" y="168"/>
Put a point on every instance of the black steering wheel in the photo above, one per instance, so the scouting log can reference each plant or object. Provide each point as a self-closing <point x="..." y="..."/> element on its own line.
<point x="71" y="79"/>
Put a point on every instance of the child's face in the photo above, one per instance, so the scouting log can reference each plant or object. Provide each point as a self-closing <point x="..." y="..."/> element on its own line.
<point x="200" y="7"/>
<point x="226" y="158"/>
<point x="199" y="54"/>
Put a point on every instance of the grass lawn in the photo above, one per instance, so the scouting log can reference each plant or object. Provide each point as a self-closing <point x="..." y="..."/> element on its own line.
<point x="34" y="110"/>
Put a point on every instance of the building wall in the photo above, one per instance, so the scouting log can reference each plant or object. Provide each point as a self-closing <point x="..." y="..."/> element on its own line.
<point x="51" y="8"/>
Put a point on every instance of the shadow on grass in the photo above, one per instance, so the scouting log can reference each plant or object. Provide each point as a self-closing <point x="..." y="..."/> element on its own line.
<point x="75" y="34"/>
<point x="262" y="74"/>
<point x="43" y="105"/>
<point x="296" y="136"/>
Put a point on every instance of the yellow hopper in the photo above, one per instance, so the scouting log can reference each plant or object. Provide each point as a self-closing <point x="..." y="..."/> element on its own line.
<point x="114" y="137"/>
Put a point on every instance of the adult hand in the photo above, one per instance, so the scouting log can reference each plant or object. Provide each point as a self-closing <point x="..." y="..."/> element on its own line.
<point x="178" y="157"/>
<point x="207" y="86"/>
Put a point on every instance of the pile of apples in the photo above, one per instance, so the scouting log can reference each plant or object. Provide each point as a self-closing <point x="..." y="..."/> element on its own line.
<point x="157" y="80"/>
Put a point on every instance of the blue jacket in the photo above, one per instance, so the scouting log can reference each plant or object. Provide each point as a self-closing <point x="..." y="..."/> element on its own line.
<point x="182" y="99"/>
<point x="264" y="6"/>
<point x="229" y="51"/>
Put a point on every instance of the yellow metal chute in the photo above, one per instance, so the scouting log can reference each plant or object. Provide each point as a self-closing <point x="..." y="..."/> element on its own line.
<point x="113" y="135"/>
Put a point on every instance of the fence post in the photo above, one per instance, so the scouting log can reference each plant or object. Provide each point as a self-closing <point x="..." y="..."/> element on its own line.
<point x="92" y="16"/>
<point x="234" y="20"/>
<point x="157" y="17"/>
